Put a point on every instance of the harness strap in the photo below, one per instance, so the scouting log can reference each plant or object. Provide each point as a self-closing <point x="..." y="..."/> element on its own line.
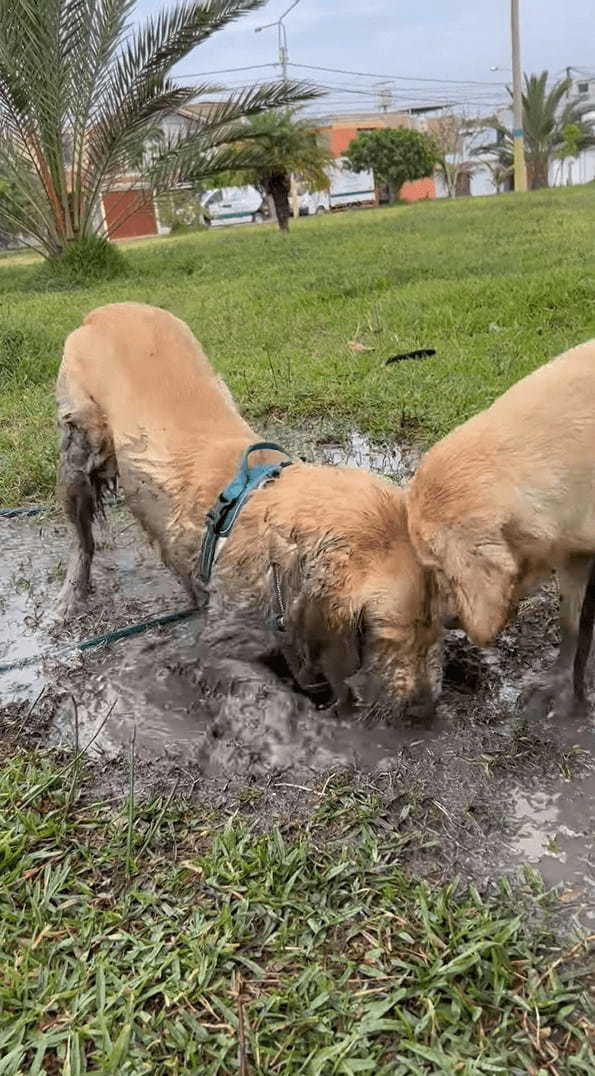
<point x="221" y="518"/>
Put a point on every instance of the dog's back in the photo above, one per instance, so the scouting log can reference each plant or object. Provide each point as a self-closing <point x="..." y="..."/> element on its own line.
<point x="535" y="438"/>
<point x="138" y="400"/>
<point x="147" y="375"/>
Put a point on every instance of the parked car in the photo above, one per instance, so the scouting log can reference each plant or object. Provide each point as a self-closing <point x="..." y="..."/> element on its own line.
<point x="346" y="189"/>
<point x="234" y="205"/>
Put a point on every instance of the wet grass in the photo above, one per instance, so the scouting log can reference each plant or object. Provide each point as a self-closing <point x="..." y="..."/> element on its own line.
<point x="162" y="938"/>
<point x="496" y="285"/>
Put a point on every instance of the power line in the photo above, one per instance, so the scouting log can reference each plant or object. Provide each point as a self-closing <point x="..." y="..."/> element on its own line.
<point x="397" y="78"/>
<point x="372" y="90"/>
<point x="343" y="71"/>
<point x="225" y="70"/>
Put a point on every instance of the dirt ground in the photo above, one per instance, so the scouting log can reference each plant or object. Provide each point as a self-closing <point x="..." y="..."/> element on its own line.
<point x="481" y="791"/>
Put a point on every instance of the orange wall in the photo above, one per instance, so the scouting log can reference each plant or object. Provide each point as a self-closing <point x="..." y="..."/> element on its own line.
<point x="339" y="139"/>
<point x="418" y="190"/>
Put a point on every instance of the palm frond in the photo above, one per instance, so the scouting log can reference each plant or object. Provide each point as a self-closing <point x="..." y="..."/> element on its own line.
<point x="165" y="39"/>
<point x="224" y="124"/>
<point x="81" y="93"/>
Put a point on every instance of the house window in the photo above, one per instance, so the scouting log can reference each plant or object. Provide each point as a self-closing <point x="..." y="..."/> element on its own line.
<point x="582" y="88"/>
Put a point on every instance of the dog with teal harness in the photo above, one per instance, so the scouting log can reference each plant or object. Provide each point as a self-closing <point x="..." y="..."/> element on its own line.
<point x="319" y="573"/>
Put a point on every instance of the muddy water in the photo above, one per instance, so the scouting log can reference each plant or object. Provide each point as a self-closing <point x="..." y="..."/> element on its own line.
<point x="357" y="451"/>
<point x="494" y="793"/>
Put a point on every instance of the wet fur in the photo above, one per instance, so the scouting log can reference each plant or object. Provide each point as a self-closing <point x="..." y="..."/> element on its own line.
<point x="138" y="401"/>
<point x="509" y="496"/>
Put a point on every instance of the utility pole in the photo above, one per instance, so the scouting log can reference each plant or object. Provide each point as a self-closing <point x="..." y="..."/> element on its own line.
<point x="283" y="54"/>
<point x="520" y="171"/>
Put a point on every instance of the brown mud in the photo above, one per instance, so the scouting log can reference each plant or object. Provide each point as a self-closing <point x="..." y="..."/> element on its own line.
<point x="479" y="792"/>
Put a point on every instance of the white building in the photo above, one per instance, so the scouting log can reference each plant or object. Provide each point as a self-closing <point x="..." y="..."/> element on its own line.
<point x="478" y="172"/>
<point x="580" y="169"/>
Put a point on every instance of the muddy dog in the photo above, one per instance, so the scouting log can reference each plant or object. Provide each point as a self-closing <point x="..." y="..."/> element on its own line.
<point x="509" y="496"/>
<point x="318" y="563"/>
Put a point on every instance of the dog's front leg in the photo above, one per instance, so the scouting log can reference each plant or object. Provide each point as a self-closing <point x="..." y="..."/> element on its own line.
<point x="564" y="683"/>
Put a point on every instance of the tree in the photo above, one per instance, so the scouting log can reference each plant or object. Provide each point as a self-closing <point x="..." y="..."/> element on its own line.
<point x="548" y="116"/>
<point x="452" y="160"/>
<point x="501" y="169"/>
<point x="81" y="95"/>
<point x="396" y="156"/>
<point x="275" y="146"/>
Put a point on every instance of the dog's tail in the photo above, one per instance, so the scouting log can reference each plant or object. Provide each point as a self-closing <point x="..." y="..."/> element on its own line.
<point x="420" y="353"/>
<point x="585" y="637"/>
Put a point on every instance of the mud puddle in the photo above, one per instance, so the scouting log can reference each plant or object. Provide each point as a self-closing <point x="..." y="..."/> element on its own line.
<point x="490" y="792"/>
<point x="356" y="449"/>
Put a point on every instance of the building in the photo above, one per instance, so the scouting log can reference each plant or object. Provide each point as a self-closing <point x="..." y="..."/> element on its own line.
<point x="128" y="208"/>
<point x="341" y="129"/>
<point x="580" y="169"/>
<point x="480" y="175"/>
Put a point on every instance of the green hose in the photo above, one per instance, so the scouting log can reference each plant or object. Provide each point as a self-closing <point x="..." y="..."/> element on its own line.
<point x="98" y="640"/>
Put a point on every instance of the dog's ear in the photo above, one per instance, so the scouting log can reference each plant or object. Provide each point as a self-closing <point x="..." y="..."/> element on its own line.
<point x="481" y="575"/>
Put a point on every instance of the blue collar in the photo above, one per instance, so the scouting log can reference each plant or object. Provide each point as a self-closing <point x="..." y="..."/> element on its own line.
<point x="222" y="516"/>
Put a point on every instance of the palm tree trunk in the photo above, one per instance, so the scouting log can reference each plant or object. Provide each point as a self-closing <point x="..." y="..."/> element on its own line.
<point x="538" y="169"/>
<point x="278" y="188"/>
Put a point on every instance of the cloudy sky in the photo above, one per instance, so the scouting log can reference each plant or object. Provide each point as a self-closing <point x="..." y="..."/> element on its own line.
<point x="421" y="39"/>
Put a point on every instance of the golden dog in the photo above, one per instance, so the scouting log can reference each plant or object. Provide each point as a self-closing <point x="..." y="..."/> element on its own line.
<point x="510" y="495"/>
<point x="139" y="403"/>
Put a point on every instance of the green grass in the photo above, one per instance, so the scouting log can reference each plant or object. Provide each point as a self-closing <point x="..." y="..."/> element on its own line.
<point x="165" y="939"/>
<point x="496" y="285"/>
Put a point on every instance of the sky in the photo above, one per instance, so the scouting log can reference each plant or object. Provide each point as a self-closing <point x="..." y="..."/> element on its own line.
<point x="394" y="41"/>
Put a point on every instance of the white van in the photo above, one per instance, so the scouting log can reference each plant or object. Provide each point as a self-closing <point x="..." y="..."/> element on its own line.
<point x="234" y="205"/>
<point x="346" y="189"/>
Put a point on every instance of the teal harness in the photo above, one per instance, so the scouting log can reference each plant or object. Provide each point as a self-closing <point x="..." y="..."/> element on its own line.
<point x="222" y="516"/>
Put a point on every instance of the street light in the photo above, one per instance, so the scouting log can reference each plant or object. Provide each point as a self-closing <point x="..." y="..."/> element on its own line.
<point x="281" y="36"/>
<point x="284" y="60"/>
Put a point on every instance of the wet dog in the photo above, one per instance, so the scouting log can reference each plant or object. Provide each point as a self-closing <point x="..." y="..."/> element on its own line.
<point x="509" y="496"/>
<point x="318" y="566"/>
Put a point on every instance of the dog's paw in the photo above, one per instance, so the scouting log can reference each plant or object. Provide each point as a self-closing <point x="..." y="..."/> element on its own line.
<point x="551" y="695"/>
<point x="69" y="605"/>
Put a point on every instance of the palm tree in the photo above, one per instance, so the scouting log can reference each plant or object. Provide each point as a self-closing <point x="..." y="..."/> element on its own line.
<point x="275" y="146"/>
<point x="547" y="116"/>
<point x="81" y="94"/>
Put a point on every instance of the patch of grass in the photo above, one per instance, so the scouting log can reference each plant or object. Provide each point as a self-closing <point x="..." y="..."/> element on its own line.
<point x="84" y="262"/>
<point x="496" y="285"/>
<point x="162" y="939"/>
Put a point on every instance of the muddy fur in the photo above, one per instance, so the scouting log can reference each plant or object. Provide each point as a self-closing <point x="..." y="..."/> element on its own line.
<point x="138" y="399"/>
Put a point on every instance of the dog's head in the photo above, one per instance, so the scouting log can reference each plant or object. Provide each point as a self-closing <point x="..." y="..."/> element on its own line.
<point x="360" y="614"/>
<point x="400" y="638"/>
<point x="476" y="573"/>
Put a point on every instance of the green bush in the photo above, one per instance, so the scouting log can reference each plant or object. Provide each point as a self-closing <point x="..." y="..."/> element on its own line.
<point x="84" y="261"/>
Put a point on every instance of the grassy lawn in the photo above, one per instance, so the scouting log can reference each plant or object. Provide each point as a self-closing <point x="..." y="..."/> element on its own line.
<point x="495" y="285"/>
<point x="165" y="939"/>
<point x="172" y="937"/>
